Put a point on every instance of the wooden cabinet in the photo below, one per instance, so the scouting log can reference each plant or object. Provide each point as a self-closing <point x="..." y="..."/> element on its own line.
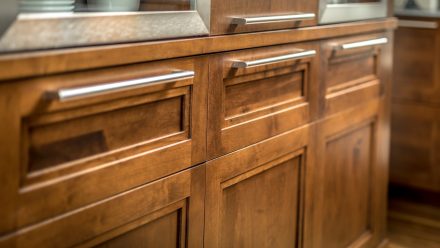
<point x="273" y="139"/>
<point x="258" y="93"/>
<point x="255" y="197"/>
<point x="416" y="106"/>
<point x="237" y="16"/>
<point x="415" y="146"/>
<point x="350" y="179"/>
<point x="352" y="71"/>
<point x="417" y="74"/>
<point x="164" y="213"/>
<point x="73" y="147"/>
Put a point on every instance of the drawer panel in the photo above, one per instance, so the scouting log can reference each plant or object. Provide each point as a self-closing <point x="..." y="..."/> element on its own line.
<point x="416" y="75"/>
<point x="52" y="143"/>
<point x="79" y="134"/>
<point x="352" y="71"/>
<point x="258" y="15"/>
<point x="165" y="213"/>
<point x="260" y="93"/>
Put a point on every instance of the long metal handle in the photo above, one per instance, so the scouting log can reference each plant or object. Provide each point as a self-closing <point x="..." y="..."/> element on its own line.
<point x="298" y="55"/>
<point x="269" y="19"/>
<point x="89" y="91"/>
<point x="365" y="43"/>
<point x="418" y="24"/>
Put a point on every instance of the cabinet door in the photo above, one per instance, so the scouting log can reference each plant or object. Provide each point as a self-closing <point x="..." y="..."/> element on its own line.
<point x="72" y="135"/>
<point x="351" y="179"/>
<point x="165" y="213"/>
<point x="415" y="149"/>
<point x="255" y="94"/>
<point x="354" y="70"/>
<point x="237" y="16"/>
<point x="416" y="60"/>
<point x="254" y="197"/>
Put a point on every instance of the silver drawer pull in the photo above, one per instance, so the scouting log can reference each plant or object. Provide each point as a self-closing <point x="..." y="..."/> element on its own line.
<point x="298" y="55"/>
<point x="89" y="91"/>
<point x="366" y="43"/>
<point x="417" y="24"/>
<point x="269" y="19"/>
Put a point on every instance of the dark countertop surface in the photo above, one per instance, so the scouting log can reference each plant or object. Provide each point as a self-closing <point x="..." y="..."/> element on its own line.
<point x="417" y="13"/>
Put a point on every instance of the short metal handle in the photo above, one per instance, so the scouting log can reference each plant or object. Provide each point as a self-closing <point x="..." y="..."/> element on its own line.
<point x="418" y="24"/>
<point x="298" y="55"/>
<point x="365" y="43"/>
<point x="89" y="91"/>
<point x="269" y="19"/>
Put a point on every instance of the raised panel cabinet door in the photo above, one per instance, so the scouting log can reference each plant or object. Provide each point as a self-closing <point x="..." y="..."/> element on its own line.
<point x="354" y="71"/>
<point x="416" y="60"/>
<point x="255" y="197"/>
<point x="239" y="16"/>
<point x="415" y="146"/>
<point x="258" y="93"/>
<point x="350" y="180"/>
<point x="166" y="213"/>
<point x="73" y="135"/>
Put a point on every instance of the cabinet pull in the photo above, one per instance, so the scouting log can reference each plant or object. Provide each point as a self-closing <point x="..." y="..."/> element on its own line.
<point x="365" y="43"/>
<point x="418" y="24"/>
<point x="89" y="91"/>
<point x="298" y="55"/>
<point x="269" y="19"/>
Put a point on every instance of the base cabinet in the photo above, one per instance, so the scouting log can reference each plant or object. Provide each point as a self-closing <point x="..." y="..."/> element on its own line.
<point x="350" y="180"/>
<point x="255" y="196"/>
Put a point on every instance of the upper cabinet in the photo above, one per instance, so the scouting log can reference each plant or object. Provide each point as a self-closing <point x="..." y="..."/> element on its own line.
<point x="238" y="16"/>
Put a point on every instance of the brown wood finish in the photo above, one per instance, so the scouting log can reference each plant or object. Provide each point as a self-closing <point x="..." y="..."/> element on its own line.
<point x="171" y="207"/>
<point x="73" y="151"/>
<point x="247" y="105"/>
<point x="283" y="165"/>
<point x="57" y="61"/>
<point x="255" y="197"/>
<point x="352" y="76"/>
<point x="350" y="179"/>
<point x="417" y="77"/>
<point x="223" y="12"/>
<point x="416" y="107"/>
<point x="415" y="150"/>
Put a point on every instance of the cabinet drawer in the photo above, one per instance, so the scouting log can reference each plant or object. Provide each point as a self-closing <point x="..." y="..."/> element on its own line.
<point x="352" y="72"/>
<point x="258" y="15"/>
<point x="81" y="132"/>
<point x="416" y="74"/>
<point x="258" y="93"/>
<point x="165" y="213"/>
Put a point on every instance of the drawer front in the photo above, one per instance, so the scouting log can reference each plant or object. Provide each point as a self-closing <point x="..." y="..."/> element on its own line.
<point x="258" y="15"/>
<point x="352" y="71"/>
<point x="165" y="213"/>
<point x="259" y="93"/>
<point x="81" y="132"/>
<point x="416" y="75"/>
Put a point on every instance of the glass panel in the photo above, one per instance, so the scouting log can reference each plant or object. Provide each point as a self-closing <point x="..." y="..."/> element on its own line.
<point x="45" y="6"/>
<point x="353" y="1"/>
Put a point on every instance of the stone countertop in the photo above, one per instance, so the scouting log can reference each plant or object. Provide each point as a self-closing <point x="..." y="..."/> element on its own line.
<point x="417" y="13"/>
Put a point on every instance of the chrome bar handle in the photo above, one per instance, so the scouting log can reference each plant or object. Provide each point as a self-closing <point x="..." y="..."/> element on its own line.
<point x="298" y="55"/>
<point x="90" y="91"/>
<point x="365" y="43"/>
<point x="418" y="24"/>
<point x="270" y="19"/>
